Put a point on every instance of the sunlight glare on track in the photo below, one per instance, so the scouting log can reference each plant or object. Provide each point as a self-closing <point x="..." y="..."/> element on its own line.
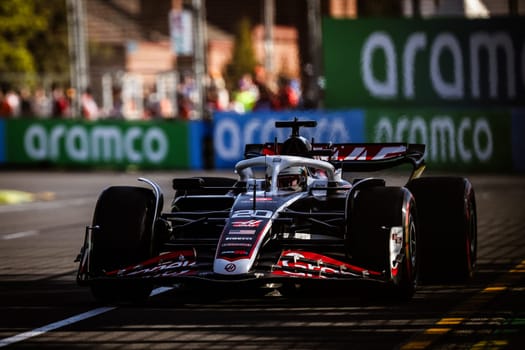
<point x="21" y="234"/>
<point x="68" y="321"/>
<point x="463" y="313"/>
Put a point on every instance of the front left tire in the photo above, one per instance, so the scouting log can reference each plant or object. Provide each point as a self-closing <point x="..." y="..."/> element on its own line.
<point x="382" y="236"/>
<point x="122" y="236"/>
<point x="448" y="225"/>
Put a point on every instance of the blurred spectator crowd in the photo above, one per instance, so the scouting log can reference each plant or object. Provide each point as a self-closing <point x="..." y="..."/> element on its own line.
<point x="253" y="92"/>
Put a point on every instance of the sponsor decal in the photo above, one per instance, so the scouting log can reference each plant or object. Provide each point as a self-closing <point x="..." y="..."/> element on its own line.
<point x="241" y="232"/>
<point x="258" y="199"/>
<point x="230" y="267"/>
<point x="396" y="246"/>
<point x="397" y="238"/>
<point x="100" y="143"/>
<point x="242" y="236"/>
<point x="172" y="264"/>
<point x="457" y="61"/>
<point x="445" y="43"/>
<point x="150" y="144"/>
<point x="246" y="223"/>
<point x="231" y="131"/>
<point x="235" y="245"/>
<point x="166" y="269"/>
<point x="476" y="140"/>
<point x="235" y="238"/>
<point x="234" y="252"/>
<point x="448" y="139"/>
<point x="313" y="265"/>
<point x="372" y="152"/>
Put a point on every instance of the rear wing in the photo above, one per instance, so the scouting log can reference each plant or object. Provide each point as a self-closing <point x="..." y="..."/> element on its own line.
<point x="355" y="156"/>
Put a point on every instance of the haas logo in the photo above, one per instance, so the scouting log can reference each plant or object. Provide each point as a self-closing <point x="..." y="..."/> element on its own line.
<point x="230" y="267"/>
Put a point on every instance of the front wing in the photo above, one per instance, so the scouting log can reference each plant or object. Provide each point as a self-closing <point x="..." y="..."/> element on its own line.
<point x="183" y="266"/>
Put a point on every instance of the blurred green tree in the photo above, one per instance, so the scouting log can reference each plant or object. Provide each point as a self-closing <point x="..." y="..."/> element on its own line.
<point x="33" y="39"/>
<point x="243" y="56"/>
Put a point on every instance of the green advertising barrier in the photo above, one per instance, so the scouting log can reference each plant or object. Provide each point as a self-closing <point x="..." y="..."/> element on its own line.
<point x="424" y="62"/>
<point x="145" y="144"/>
<point x="467" y="140"/>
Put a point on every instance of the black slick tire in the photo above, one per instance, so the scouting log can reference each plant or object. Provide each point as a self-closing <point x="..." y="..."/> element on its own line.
<point x="372" y="214"/>
<point x="121" y="237"/>
<point x="448" y="226"/>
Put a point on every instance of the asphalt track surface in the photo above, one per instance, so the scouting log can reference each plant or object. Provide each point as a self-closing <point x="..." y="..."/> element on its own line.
<point x="42" y="307"/>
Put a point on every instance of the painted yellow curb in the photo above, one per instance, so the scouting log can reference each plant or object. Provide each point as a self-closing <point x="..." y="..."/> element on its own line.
<point x="17" y="197"/>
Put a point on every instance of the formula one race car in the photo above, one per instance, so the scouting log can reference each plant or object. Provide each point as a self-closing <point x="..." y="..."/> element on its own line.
<point x="296" y="215"/>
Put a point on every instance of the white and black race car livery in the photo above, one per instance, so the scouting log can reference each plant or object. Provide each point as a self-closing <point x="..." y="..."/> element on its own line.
<point x="297" y="212"/>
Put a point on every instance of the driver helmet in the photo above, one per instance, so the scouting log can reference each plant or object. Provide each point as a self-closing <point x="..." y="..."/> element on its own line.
<point x="296" y="146"/>
<point x="292" y="179"/>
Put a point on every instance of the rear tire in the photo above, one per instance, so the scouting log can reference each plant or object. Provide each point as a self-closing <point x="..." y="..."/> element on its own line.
<point x="448" y="226"/>
<point x="124" y="217"/>
<point x="372" y="214"/>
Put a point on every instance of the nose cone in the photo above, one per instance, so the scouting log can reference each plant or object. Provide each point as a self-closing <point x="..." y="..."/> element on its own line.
<point x="227" y="267"/>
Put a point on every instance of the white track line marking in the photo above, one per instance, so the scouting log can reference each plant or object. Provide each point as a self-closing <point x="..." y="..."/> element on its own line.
<point x="74" y="319"/>
<point x="52" y="326"/>
<point x="21" y="234"/>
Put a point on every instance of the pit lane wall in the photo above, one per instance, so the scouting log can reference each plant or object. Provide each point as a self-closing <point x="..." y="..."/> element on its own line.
<point x="457" y="140"/>
<point x="109" y="143"/>
<point x="232" y="131"/>
<point x="456" y="84"/>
